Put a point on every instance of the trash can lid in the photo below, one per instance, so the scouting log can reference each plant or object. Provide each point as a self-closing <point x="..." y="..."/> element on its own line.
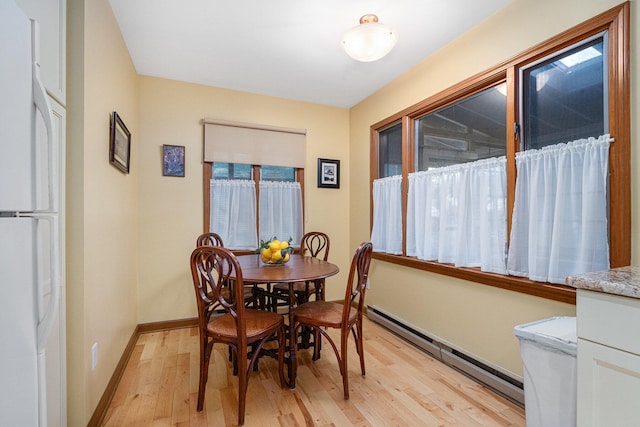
<point x="555" y="332"/>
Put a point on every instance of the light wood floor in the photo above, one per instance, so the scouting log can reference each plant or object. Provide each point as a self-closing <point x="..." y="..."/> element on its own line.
<point x="403" y="387"/>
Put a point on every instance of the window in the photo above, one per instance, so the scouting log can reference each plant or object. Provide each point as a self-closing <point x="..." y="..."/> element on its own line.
<point x="248" y="203"/>
<point x="242" y="171"/>
<point x="277" y="173"/>
<point x="390" y="151"/>
<point x="573" y="86"/>
<point x="470" y="129"/>
<point x="564" y="97"/>
<point x="231" y="171"/>
<point x="253" y="182"/>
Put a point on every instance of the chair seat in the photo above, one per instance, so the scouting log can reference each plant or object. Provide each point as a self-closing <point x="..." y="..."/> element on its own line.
<point x="298" y="287"/>
<point x="259" y="324"/>
<point x="323" y="313"/>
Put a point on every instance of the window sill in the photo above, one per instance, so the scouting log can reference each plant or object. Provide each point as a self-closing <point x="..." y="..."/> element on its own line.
<point x="550" y="291"/>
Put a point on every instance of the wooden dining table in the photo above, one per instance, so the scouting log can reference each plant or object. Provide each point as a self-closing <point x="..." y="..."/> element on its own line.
<point x="299" y="268"/>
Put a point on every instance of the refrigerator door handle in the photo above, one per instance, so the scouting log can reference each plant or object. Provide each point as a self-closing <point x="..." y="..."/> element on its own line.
<point x="42" y="105"/>
<point x="44" y="326"/>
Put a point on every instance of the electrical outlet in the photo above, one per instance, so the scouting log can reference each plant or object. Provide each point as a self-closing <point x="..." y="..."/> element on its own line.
<point x="368" y="284"/>
<point x="94" y="355"/>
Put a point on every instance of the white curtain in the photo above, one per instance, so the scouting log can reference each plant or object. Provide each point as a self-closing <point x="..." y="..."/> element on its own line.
<point x="281" y="211"/>
<point x="233" y="213"/>
<point x="386" y="234"/>
<point x="457" y="215"/>
<point x="559" y="225"/>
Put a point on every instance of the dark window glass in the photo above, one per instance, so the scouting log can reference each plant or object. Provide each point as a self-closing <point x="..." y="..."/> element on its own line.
<point x="277" y="173"/>
<point x="564" y="96"/>
<point x="390" y="151"/>
<point x="231" y="171"/>
<point x="471" y="129"/>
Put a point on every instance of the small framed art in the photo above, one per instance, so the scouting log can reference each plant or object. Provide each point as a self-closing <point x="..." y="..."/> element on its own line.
<point x="119" y="144"/>
<point x="173" y="160"/>
<point x="328" y="173"/>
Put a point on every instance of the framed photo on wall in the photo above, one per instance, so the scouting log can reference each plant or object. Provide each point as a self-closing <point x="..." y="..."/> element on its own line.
<point x="119" y="144"/>
<point x="173" y="160"/>
<point x="328" y="173"/>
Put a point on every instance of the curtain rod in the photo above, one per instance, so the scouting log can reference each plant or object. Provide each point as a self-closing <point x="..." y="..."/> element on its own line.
<point x="229" y="123"/>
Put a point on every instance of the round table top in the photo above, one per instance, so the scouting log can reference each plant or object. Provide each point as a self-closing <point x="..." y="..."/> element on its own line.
<point x="298" y="269"/>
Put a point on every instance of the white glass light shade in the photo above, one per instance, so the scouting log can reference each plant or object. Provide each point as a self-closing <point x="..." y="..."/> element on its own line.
<point x="370" y="40"/>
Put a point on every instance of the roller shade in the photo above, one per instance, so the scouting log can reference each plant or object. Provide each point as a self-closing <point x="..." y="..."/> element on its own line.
<point x="234" y="142"/>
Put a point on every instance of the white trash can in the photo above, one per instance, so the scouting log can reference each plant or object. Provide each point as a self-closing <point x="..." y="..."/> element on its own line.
<point x="548" y="349"/>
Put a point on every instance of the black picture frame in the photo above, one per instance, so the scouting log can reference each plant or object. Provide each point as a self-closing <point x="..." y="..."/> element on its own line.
<point x="173" y="160"/>
<point x="119" y="144"/>
<point x="328" y="173"/>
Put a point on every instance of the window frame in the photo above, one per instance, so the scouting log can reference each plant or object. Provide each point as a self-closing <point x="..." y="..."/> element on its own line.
<point x="207" y="175"/>
<point x="616" y="22"/>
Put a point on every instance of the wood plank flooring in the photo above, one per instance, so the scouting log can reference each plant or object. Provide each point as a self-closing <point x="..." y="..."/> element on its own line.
<point x="403" y="387"/>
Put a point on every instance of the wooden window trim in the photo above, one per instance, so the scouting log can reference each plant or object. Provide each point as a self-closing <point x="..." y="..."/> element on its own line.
<point x="616" y="21"/>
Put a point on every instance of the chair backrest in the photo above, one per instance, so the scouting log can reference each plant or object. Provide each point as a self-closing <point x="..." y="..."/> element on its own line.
<point x="209" y="239"/>
<point x="213" y="269"/>
<point x="316" y="244"/>
<point x="357" y="282"/>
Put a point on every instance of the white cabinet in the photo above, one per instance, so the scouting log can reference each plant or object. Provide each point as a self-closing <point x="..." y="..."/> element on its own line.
<point x="608" y="359"/>
<point x="52" y="18"/>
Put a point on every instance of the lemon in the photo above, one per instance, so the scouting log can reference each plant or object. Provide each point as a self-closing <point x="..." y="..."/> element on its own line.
<point x="284" y="245"/>
<point x="286" y="257"/>
<point x="276" y="256"/>
<point x="274" y="246"/>
<point x="266" y="258"/>
<point x="266" y="252"/>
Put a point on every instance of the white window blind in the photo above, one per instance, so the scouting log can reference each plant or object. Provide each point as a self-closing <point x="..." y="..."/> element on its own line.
<point x="386" y="233"/>
<point x="559" y="225"/>
<point x="233" y="212"/>
<point x="253" y="144"/>
<point x="281" y="211"/>
<point x="457" y="214"/>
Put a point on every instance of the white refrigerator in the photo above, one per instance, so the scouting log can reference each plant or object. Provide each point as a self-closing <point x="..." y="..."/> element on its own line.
<point x="30" y="245"/>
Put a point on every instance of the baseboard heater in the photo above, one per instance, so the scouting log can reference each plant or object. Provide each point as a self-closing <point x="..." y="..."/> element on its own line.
<point x="497" y="381"/>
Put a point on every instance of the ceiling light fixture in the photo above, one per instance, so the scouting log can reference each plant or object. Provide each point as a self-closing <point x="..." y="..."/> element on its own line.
<point x="370" y="40"/>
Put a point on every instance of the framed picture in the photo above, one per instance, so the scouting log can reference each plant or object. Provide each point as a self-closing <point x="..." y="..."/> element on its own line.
<point x="120" y="144"/>
<point x="173" y="160"/>
<point x="328" y="173"/>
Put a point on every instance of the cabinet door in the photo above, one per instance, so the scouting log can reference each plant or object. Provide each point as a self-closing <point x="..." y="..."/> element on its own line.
<point x="608" y="386"/>
<point x="52" y="19"/>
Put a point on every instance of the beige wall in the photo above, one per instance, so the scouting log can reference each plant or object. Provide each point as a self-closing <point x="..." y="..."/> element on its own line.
<point x="102" y="205"/>
<point x="129" y="236"/>
<point x="475" y="318"/>
<point x="171" y="212"/>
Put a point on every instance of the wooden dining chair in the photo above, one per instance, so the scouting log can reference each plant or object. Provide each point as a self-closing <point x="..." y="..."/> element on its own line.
<point x="209" y="239"/>
<point x="214" y="239"/>
<point x="314" y="244"/>
<point x="345" y="315"/>
<point x="212" y="269"/>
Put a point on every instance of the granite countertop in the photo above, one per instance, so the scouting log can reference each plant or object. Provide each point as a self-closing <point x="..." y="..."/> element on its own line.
<point x="624" y="281"/>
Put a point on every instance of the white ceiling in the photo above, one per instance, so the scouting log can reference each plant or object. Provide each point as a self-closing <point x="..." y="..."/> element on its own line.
<point x="287" y="48"/>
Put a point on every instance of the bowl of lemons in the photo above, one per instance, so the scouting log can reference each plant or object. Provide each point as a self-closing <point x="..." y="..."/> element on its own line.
<point x="275" y="251"/>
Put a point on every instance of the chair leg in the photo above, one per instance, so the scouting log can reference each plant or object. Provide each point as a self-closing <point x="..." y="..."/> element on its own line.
<point x="357" y="338"/>
<point x="205" y="355"/>
<point x="281" y="365"/>
<point x="254" y="348"/>
<point x="317" y="345"/>
<point x="243" y="379"/>
<point x="344" y="340"/>
<point x="360" y="346"/>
